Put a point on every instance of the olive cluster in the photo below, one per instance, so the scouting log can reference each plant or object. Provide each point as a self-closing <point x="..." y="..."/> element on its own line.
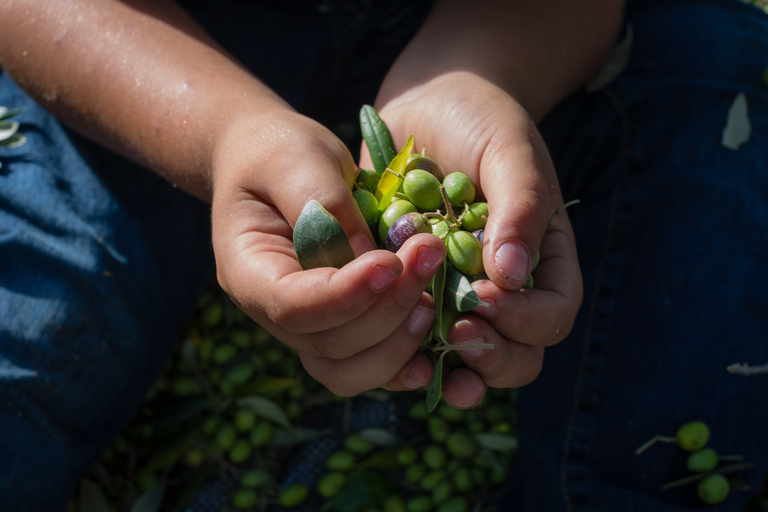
<point x="712" y="487"/>
<point x="428" y="203"/>
<point x="229" y="405"/>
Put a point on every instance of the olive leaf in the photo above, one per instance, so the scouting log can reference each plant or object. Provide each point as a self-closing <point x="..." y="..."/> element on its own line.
<point x="497" y="442"/>
<point x="614" y="65"/>
<point x="435" y="389"/>
<point x="393" y="176"/>
<point x="458" y="293"/>
<point x="380" y="436"/>
<point x="364" y="490"/>
<point x="151" y="500"/>
<point x="737" y="126"/>
<point x="319" y="239"/>
<point x="8" y="129"/>
<point x="438" y="287"/>
<point x="5" y="112"/>
<point x="377" y="138"/>
<point x="266" y="408"/>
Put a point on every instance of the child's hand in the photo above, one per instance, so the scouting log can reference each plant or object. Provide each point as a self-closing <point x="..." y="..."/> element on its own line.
<point x="468" y="124"/>
<point x="354" y="328"/>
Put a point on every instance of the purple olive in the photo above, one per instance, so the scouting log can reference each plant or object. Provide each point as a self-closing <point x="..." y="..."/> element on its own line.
<point x="404" y="228"/>
<point x="479" y="233"/>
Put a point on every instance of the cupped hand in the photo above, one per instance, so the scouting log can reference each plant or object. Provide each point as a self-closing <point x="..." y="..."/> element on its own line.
<point x="355" y="328"/>
<point x="466" y="123"/>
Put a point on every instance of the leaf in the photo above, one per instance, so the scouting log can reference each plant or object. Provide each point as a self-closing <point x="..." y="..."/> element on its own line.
<point x="319" y="239"/>
<point x="438" y="287"/>
<point x="377" y="138"/>
<point x="92" y="498"/>
<point x="7" y="129"/>
<point x="380" y="460"/>
<point x="435" y="388"/>
<point x="380" y="437"/>
<point x="737" y="126"/>
<point x="614" y="64"/>
<point x="5" y="113"/>
<point x="14" y="141"/>
<point x="266" y="409"/>
<point x="151" y="500"/>
<point x="498" y="442"/>
<point x="459" y="294"/>
<point x="390" y="181"/>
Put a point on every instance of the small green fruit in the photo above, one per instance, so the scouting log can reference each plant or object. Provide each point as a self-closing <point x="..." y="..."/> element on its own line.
<point x="455" y="504"/>
<point x="253" y="478"/>
<point x="713" y="489"/>
<point x="367" y="178"/>
<point x="240" y="451"/>
<point x="331" y="483"/>
<point x="438" y="428"/>
<point x="367" y="204"/>
<point x="475" y="217"/>
<point x="406" y="455"/>
<point x="415" y="472"/>
<point x="434" y="456"/>
<point x="293" y="495"/>
<point x="341" y="460"/>
<point x="702" y="460"/>
<point x="419" y="504"/>
<point x="262" y="433"/>
<point x="391" y="214"/>
<point x="244" y="499"/>
<point x="459" y="189"/>
<point x="423" y="190"/>
<point x="461" y="445"/>
<point x="465" y="252"/>
<point x="432" y="479"/>
<point x="692" y="436"/>
<point x="356" y="443"/>
<point x="245" y="420"/>
<point x="416" y="161"/>
<point x="226" y="436"/>
<point x="394" y="503"/>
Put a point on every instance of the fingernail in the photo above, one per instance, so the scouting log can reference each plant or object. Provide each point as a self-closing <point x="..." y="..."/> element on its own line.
<point x="472" y="352"/>
<point x="382" y="278"/>
<point x="419" y="320"/>
<point x="428" y="259"/>
<point x="412" y="382"/>
<point x="514" y="260"/>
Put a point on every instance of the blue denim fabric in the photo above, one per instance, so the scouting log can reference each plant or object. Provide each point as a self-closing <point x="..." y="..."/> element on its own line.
<point x="672" y="233"/>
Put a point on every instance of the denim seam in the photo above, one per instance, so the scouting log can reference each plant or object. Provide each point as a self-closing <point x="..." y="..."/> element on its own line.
<point x="616" y="102"/>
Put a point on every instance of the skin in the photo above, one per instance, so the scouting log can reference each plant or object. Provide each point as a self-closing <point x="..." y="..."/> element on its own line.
<point x="143" y="79"/>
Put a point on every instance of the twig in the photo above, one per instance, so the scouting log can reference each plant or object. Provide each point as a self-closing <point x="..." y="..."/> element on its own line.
<point x="745" y="369"/>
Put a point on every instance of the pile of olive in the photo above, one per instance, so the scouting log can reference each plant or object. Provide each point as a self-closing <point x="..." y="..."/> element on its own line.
<point x="428" y="203"/>
<point x="225" y="408"/>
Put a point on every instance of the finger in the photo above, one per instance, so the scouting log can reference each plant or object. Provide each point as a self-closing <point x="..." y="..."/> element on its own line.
<point x="509" y="364"/>
<point x="543" y="315"/>
<point x="519" y="183"/>
<point x="373" y="367"/>
<point x="414" y="375"/>
<point x="463" y="388"/>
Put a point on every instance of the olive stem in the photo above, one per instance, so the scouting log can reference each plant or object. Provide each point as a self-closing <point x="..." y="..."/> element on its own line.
<point x="448" y="208"/>
<point x="745" y="369"/>
<point x="446" y="347"/>
<point x="647" y="445"/>
<point x="566" y="205"/>
<point x="726" y="469"/>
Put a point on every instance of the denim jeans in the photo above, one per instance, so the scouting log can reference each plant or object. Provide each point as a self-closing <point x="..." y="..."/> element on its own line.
<point x="102" y="261"/>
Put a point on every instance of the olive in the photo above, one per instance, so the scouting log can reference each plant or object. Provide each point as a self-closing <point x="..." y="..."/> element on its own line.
<point x="244" y="420"/>
<point x="438" y="428"/>
<point x="394" y="503"/>
<point x="450" y="413"/>
<point x="244" y="499"/>
<point x="702" y="460"/>
<point x="262" y="433"/>
<point x="240" y="338"/>
<point x="416" y="161"/>
<point x="465" y="252"/>
<point x="455" y="504"/>
<point x="442" y="492"/>
<point x="713" y="489"/>
<point x="253" y="478"/>
<point x="419" y="504"/>
<point x="459" y="188"/>
<point x="341" y="460"/>
<point x="293" y="495"/>
<point x="331" y="483"/>
<point x="692" y="435"/>
<point x="391" y="214"/>
<point x="226" y="436"/>
<point x="240" y="451"/>
<point x="367" y="204"/>
<point x="415" y="472"/>
<point x="405" y="227"/>
<point x="461" y="445"/>
<point x="223" y="353"/>
<point x="356" y="443"/>
<point x="433" y="456"/>
<point x="406" y="455"/>
<point x="423" y="190"/>
<point x="475" y="217"/>
<point x="367" y="178"/>
<point x="432" y="479"/>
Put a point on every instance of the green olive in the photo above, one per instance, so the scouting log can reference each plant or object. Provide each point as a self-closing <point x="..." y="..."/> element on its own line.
<point x="465" y="252"/>
<point x="331" y="483"/>
<point x="713" y="489"/>
<point x="245" y="420"/>
<point x="394" y="503"/>
<point x="475" y="217"/>
<point x="240" y="338"/>
<point x="459" y="189"/>
<point x="455" y="504"/>
<point x="406" y="455"/>
<point x="244" y="499"/>
<point x="226" y="436"/>
<point x="461" y="445"/>
<point x="262" y="433"/>
<point x="438" y="428"/>
<point x="433" y="456"/>
<point x="341" y="460"/>
<point x="416" y="161"/>
<point x="367" y="204"/>
<point x="293" y="495"/>
<point x="367" y="179"/>
<point x="692" y="436"/>
<point x="423" y="190"/>
<point x="702" y="460"/>
<point x="451" y="413"/>
<point x="356" y="443"/>
<point x="415" y="472"/>
<point x="462" y="480"/>
<point x="440" y="227"/>
<point x="240" y="373"/>
<point x="442" y="492"/>
<point x="432" y="479"/>
<point x="419" y="504"/>
<point x="253" y="478"/>
<point x="240" y="451"/>
<point x="223" y="353"/>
